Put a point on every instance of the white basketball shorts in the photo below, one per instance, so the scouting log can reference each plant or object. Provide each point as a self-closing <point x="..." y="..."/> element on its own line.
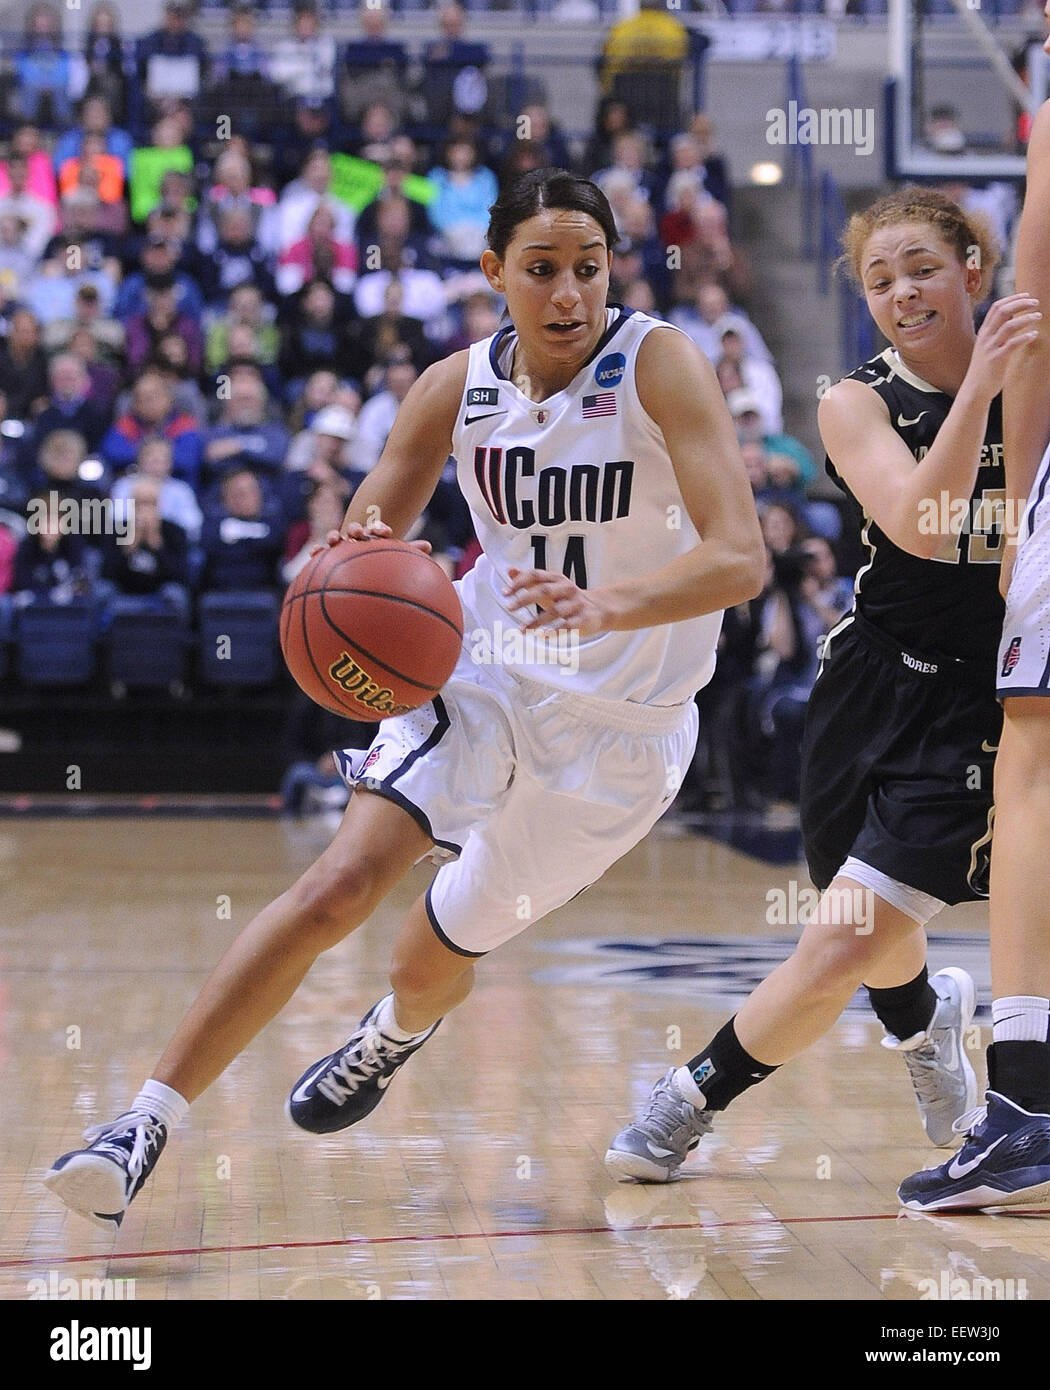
<point x="535" y="791"/>
<point x="1024" y="654"/>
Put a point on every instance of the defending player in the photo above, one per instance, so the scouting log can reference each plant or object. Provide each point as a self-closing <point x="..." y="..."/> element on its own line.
<point x="602" y="470"/>
<point x="1005" y="1159"/>
<point x="902" y="724"/>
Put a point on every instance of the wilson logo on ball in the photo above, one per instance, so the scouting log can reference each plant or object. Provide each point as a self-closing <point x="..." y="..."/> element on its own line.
<point x="349" y="676"/>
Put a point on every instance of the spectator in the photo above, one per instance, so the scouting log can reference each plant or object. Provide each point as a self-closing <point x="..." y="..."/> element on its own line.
<point x="423" y="295"/>
<point x="313" y="334"/>
<point x="37" y="215"/>
<point x="321" y="388"/>
<point x="152" y="561"/>
<point x="378" y="414"/>
<point x="829" y="593"/>
<point x="393" y="216"/>
<point x="319" y="255"/>
<point x="521" y="158"/>
<point x="44" y="70"/>
<point x="389" y="336"/>
<point x="93" y="169"/>
<point x="170" y="357"/>
<point x="162" y="317"/>
<point x="153" y="416"/>
<point x="87" y="314"/>
<point x="758" y="375"/>
<point x="309" y="127"/>
<point x="70" y="406"/>
<point x="312" y="782"/>
<point x="243" y="540"/>
<point x="243" y="55"/>
<point x="96" y="119"/>
<point x="245" y="308"/>
<point x="58" y="467"/>
<point x="23" y="367"/>
<point x="465" y="191"/>
<point x="176" y="500"/>
<point x="703" y="320"/>
<point x="374" y="67"/>
<point x="697" y="226"/>
<point x="628" y="169"/>
<point x="106" y="58"/>
<point x="376" y="136"/>
<point x="237" y="259"/>
<point x="747" y="417"/>
<point x="325" y="509"/>
<point x="716" y="174"/>
<point x="612" y="119"/>
<point x="26" y="143"/>
<point x="453" y="70"/>
<point x="103" y="379"/>
<point x="172" y="60"/>
<point x="233" y="187"/>
<point x="53" y="566"/>
<point x="152" y="164"/>
<point x="244" y="437"/>
<point x="303" y="65"/>
<point x="325" y="444"/>
<point x="16" y="259"/>
<point x="302" y="197"/>
<point x="158" y="259"/>
<point x="642" y="62"/>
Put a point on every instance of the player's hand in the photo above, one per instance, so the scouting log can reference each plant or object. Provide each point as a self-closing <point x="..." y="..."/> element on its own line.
<point x="354" y="531"/>
<point x="1010" y="324"/>
<point x="563" y="604"/>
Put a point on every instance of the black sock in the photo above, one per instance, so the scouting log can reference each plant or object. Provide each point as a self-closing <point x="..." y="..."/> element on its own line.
<point x="1021" y="1072"/>
<point x="907" y="1009"/>
<point x="724" y="1070"/>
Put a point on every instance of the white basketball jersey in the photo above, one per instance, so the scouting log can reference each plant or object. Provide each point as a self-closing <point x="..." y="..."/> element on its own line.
<point x="580" y="483"/>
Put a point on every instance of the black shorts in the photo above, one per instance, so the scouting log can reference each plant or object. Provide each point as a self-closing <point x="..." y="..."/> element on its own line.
<point x="897" y="761"/>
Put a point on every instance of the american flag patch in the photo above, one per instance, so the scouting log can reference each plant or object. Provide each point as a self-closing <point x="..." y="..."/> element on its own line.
<point x="604" y="403"/>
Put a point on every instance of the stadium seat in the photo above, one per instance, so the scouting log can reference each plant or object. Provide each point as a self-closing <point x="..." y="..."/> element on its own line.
<point x="55" y="643"/>
<point x="238" y="638"/>
<point x="146" y="646"/>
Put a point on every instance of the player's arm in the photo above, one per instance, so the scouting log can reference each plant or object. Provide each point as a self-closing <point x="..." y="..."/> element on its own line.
<point x="679" y="390"/>
<point x="399" y="487"/>
<point x="1026" y="391"/>
<point x="904" y="495"/>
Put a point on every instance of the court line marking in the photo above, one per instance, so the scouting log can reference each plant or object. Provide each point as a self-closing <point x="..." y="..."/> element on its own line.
<point x="345" y="1241"/>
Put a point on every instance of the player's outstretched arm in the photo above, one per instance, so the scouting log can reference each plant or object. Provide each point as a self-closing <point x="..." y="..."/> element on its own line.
<point x="402" y="483"/>
<point x="1026" y="392"/>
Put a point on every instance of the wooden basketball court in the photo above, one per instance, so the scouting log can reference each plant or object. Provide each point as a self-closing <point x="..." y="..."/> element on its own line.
<point x="480" y="1176"/>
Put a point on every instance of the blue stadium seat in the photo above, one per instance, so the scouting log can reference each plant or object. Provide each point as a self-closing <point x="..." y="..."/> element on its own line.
<point x="147" y="646"/>
<point x="238" y="638"/>
<point x="55" y="643"/>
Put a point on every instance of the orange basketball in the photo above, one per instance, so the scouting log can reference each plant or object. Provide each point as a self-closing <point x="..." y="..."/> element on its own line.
<point x="370" y="629"/>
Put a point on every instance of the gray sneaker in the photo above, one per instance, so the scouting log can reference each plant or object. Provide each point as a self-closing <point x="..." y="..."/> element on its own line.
<point x="944" y="1081"/>
<point x="660" y="1140"/>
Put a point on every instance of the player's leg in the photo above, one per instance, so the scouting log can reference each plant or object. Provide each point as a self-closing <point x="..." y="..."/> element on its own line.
<point x="1005" y="1160"/>
<point x="794" y="1006"/>
<point x="376" y="844"/>
<point x="428" y="979"/>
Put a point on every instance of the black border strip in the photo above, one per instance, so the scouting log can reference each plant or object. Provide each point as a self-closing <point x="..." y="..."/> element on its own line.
<point x="474" y="955"/>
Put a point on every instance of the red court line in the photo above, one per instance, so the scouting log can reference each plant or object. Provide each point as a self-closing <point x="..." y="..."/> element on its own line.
<point x="456" y="1235"/>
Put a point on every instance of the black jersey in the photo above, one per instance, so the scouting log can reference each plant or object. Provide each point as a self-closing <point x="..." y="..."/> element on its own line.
<point x="950" y="605"/>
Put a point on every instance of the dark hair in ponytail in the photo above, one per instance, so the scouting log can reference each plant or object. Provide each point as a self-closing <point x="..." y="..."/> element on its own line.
<point x="547" y="188"/>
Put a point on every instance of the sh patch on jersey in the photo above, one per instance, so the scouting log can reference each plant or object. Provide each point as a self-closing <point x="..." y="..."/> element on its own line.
<point x="483" y="395"/>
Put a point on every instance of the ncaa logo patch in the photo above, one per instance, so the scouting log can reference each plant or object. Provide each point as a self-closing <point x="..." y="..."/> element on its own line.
<point x="609" y="371"/>
<point x="1012" y="657"/>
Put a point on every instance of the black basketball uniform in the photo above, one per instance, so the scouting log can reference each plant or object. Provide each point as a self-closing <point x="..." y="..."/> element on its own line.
<point x="903" y="722"/>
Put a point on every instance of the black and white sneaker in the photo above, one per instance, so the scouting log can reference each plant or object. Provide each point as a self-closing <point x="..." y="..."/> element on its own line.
<point x="346" y="1086"/>
<point x="99" y="1182"/>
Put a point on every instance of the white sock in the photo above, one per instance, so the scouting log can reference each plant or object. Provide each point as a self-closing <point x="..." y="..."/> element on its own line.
<point x="386" y="1022"/>
<point x="161" y="1101"/>
<point x="1020" y="1018"/>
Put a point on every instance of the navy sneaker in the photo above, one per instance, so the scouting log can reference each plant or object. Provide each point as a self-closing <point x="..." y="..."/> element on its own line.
<point x="1004" y="1162"/>
<point x="346" y="1086"/>
<point x="99" y="1182"/>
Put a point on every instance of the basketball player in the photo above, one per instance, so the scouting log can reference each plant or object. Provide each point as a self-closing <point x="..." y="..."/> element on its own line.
<point x="610" y="497"/>
<point x="902" y="724"/>
<point x="1005" y="1158"/>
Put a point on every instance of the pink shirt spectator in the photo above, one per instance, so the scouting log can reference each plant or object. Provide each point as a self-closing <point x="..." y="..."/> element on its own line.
<point x="337" y="263"/>
<point x="40" y="180"/>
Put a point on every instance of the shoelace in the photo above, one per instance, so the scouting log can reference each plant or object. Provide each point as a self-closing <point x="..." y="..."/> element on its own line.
<point x="969" y="1123"/>
<point x="924" y="1071"/>
<point x="146" y="1131"/>
<point x="370" y="1053"/>
<point x="666" y="1112"/>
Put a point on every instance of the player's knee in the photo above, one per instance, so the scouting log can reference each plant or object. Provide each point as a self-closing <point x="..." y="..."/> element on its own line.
<point x="332" y="902"/>
<point x="834" y="960"/>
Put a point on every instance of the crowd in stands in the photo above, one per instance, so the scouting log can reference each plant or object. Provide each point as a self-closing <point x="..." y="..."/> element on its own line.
<point x="222" y="269"/>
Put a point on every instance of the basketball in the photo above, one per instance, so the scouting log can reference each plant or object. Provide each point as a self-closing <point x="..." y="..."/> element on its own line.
<point x="370" y="629"/>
